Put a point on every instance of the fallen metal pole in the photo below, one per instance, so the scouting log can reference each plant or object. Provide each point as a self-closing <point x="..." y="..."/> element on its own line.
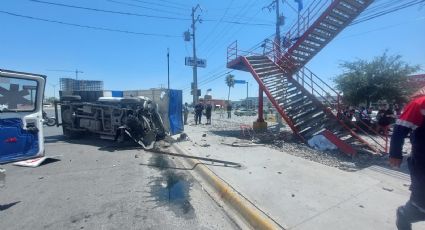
<point x="197" y="158"/>
<point x="234" y="164"/>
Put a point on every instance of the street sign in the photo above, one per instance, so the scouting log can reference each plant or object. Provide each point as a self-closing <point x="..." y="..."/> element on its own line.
<point x="240" y="82"/>
<point x="189" y="61"/>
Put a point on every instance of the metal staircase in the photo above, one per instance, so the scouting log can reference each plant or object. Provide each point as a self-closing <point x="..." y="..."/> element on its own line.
<point x="304" y="101"/>
<point x="303" y="40"/>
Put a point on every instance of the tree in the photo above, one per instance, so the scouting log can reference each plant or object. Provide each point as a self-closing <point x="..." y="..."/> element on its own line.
<point x="383" y="78"/>
<point x="230" y="82"/>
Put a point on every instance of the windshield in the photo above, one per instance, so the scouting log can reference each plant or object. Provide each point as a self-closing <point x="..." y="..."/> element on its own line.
<point x="18" y="95"/>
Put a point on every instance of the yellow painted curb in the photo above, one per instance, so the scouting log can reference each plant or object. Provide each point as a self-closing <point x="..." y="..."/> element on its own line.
<point x="252" y="215"/>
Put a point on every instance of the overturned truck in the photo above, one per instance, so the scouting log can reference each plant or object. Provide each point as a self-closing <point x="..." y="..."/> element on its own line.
<point x="120" y="119"/>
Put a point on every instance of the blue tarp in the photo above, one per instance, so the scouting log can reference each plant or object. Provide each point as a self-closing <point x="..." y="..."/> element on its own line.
<point x="175" y="107"/>
<point x="117" y="93"/>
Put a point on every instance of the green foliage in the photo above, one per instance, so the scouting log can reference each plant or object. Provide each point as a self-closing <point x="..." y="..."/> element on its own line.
<point x="383" y="78"/>
<point x="230" y="82"/>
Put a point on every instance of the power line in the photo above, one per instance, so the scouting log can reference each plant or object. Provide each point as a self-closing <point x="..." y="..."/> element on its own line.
<point x="142" y="7"/>
<point x="382" y="13"/>
<point x="175" y="3"/>
<point x="159" y="4"/>
<point x="141" y="15"/>
<point x="109" y="11"/>
<point x="216" y="25"/>
<point x="87" y="26"/>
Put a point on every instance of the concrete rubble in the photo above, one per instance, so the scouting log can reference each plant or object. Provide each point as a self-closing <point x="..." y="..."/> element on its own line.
<point x="300" y="187"/>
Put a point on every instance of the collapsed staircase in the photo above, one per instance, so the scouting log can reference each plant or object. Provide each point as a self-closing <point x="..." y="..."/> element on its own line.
<point x="303" y="100"/>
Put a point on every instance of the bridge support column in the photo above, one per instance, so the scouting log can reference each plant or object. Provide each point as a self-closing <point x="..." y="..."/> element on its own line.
<point x="260" y="125"/>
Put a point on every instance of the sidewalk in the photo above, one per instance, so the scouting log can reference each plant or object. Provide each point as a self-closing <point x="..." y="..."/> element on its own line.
<point x="301" y="194"/>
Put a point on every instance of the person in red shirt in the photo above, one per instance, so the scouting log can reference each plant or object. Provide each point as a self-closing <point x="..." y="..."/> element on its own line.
<point x="411" y="121"/>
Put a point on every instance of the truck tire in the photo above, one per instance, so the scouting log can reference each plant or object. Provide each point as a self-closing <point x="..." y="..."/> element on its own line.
<point x="71" y="98"/>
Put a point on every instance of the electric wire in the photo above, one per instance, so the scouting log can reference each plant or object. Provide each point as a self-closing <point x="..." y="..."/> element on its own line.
<point x="144" y="7"/>
<point x="87" y="26"/>
<point x="109" y="11"/>
<point x="141" y="15"/>
<point x="159" y="4"/>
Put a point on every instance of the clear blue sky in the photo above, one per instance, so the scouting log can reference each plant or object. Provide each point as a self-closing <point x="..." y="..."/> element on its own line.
<point x="129" y="61"/>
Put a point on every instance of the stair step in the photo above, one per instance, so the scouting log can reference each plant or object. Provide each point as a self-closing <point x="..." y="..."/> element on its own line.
<point x="317" y="127"/>
<point x="341" y="13"/>
<point x="314" y="39"/>
<point x="294" y="109"/>
<point x="262" y="65"/>
<point x="257" y="57"/>
<point x="333" y="22"/>
<point x="338" y="17"/>
<point x="271" y="77"/>
<point x="347" y="9"/>
<point x="295" y="102"/>
<point x="310" y="121"/>
<point x="305" y="49"/>
<point x="354" y="3"/>
<point x="309" y="45"/>
<point x="289" y="98"/>
<point x="275" y="91"/>
<point x="320" y="34"/>
<point x="327" y="28"/>
<point x="310" y="132"/>
<point x="258" y="62"/>
<point x="266" y="69"/>
<point x="273" y="72"/>
<point x="301" y="54"/>
<point x="305" y="115"/>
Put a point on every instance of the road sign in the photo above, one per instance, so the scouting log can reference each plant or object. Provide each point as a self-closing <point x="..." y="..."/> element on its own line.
<point x="240" y="82"/>
<point x="189" y="61"/>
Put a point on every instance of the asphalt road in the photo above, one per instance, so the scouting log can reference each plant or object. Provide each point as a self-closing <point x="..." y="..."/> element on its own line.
<point x="95" y="184"/>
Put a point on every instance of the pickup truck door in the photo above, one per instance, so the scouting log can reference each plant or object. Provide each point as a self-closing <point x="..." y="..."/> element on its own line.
<point x="21" y="119"/>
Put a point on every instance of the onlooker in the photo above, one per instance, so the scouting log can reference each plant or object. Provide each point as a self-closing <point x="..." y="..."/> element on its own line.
<point x="229" y="110"/>
<point x="208" y="109"/>
<point x="411" y="121"/>
<point x="198" y="112"/>
<point x="397" y="110"/>
<point x="364" y="116"/>
<point x="185" y="112"/>
<point x="221" y="112"/>
<point x="385" y="117"/>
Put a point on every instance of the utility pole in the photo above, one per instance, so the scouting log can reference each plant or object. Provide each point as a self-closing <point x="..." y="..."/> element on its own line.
<point x="195" y="66"/>
<point x="54" y="89"/>
<point x="247" y="95"/>
<point x="168" y="67"/>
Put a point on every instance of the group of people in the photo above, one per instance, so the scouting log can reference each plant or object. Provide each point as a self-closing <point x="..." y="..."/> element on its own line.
<point x="386" y="115"/>
<point x="408" y="122"/>
<point x="199" y="109"/>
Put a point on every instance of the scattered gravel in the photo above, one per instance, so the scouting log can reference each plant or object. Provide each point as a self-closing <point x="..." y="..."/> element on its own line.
<point x="282" y="139"/>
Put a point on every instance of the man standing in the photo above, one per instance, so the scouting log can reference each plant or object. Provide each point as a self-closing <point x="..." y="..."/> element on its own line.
<point x="208" y="111"/>
<point x="198" y="112"/>
<point x="229" y="110"/>
<point x="411" y="121"/>
<point x="185" y="112"/>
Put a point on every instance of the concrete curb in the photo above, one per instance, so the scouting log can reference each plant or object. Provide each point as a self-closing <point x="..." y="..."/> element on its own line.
<point x="251" y="214"/>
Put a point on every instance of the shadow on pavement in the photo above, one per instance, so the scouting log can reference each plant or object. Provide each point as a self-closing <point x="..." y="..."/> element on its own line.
<point x="7" y="206"/>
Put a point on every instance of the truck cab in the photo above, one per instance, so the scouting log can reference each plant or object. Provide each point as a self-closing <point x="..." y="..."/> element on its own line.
<point x="21" y="118"/>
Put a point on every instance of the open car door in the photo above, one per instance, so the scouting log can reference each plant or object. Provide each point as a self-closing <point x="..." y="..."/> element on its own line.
<point x="21" y="118"/>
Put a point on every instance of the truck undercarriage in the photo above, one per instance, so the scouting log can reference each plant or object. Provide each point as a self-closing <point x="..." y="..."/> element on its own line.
<point x="119" y="119"/>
